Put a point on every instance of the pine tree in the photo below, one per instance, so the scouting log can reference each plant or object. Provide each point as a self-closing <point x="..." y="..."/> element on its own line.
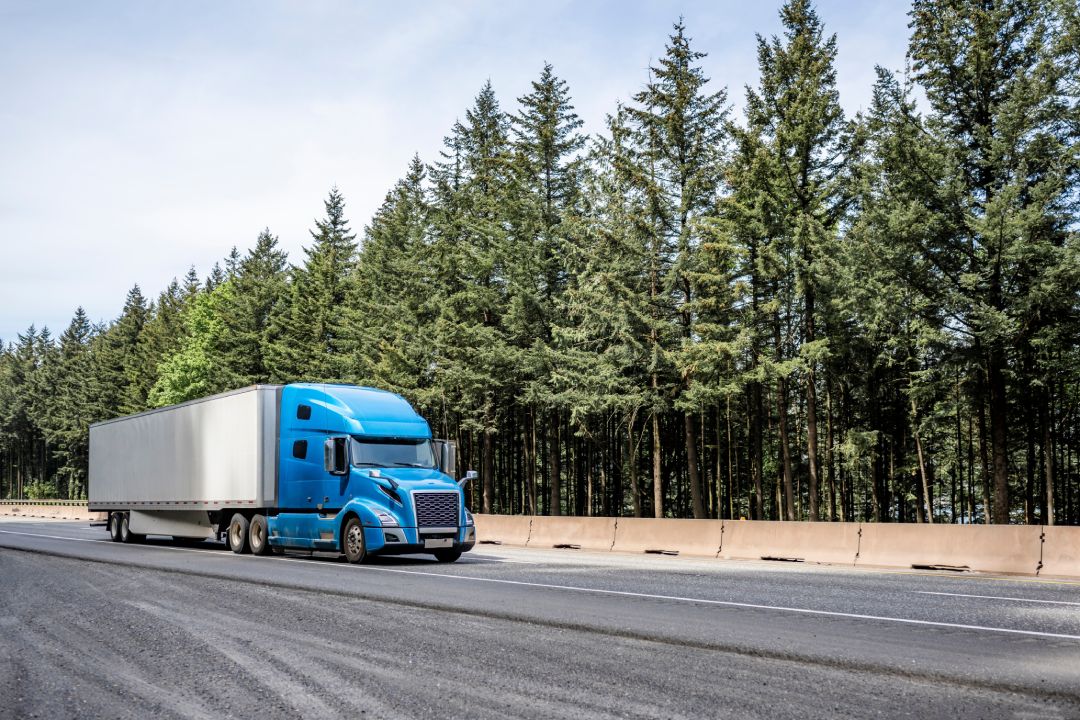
<point x="997" y="78"/>
<point x="258" y="286"/>
<point x="679" y="130"/>
<point x="308" y="330"/>
<point x="199" y="367"/>
<point x="547" y="176"/>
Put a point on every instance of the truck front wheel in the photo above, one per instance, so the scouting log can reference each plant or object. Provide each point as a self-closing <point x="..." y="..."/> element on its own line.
<point x="352" y="540"/>
<point x="448" y="555"/>
<point x="238" y="534"/>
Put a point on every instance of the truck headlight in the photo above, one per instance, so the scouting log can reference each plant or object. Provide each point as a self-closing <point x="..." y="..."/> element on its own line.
<point x="468" y="518"/>
<point x="386" y="519"/>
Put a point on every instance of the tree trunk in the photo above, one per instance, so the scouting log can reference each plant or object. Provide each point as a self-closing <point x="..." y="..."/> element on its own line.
<point x="999" y="436"/>
<point x="489" y="471"/>
<point x="632" y="469"/>
<point x="785" y="452"/>
<point x="811" y="414"/>
<point x="757" y="510"/>
<point x="554" y="469"/>
<point x="658" y="490"/>
<point x="692" y="466"/>
<point x="922" y="465"/>
<point x="1048" y="458"/>
<point x="829" y="459"/>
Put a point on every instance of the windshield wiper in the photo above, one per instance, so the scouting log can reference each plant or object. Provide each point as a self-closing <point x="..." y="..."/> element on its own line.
<point x="404" y="464"/>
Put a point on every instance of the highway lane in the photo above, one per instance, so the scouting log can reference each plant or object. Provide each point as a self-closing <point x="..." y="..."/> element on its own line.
<point x="640" y="636"/>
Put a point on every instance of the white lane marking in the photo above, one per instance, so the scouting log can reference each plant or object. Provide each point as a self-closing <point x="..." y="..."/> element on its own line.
<point x="487" y="558"/>
<point x="624" y="593"/>
<point x="101" y="540"/>
<point x="724" y="603"/>
<point x="999" y="597"/>
<point x="470" y="558"/>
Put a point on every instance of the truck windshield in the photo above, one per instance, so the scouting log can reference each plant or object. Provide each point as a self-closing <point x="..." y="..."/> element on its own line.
<point x="392" y="452"/>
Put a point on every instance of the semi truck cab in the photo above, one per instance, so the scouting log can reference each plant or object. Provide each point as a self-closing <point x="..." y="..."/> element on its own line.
<point x="361" y="474"/>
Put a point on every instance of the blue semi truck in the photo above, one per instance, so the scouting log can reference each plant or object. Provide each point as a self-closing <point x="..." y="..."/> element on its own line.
<point x="268" y="468"/>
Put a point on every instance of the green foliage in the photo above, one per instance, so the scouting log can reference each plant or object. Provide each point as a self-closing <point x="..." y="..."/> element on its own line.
<point x="686" y="314"/>
<point x="199" y="367"/>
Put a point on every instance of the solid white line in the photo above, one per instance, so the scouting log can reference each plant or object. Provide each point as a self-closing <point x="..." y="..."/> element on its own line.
<point x="724" y="603"/>
<point x="101" y="540"/>
<point x="624" y="593"/>
<point x="999" y="597"/>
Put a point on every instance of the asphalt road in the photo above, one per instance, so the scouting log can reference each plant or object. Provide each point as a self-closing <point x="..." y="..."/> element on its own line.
<point x="90" y="628"/>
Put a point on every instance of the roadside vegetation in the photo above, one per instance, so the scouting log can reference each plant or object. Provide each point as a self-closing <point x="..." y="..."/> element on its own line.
<point x="788" y="314"/>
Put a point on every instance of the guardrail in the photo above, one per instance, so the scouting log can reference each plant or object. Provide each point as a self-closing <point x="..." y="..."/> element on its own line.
<point x="1003" y="549"/>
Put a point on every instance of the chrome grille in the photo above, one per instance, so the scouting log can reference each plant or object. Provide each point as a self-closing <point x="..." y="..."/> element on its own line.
<point x="436" y="509"/>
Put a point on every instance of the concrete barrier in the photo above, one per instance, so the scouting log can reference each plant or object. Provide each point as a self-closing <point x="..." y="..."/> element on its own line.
<point x="579" y="533"/>
<point x="503" y="529"/>
<point x="819" y="542"/>
<point x="668" y="535"/>
<point x="55" y="510"/>
<point x="985" y="548"/>
<point x="1061" y="551"/>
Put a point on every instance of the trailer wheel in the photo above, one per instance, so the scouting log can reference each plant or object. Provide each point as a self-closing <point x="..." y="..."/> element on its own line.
<point x="126" y="536"/>
<point x="114" y="526"/>
<point x="447" y="556"/>
<point x="352" y="540"/>
<point x="238" y="534"/>
<point x="259" y="535"/>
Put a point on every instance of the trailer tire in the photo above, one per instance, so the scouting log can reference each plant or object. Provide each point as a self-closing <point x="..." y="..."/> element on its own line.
<point x="447" y="556"/>
<point x="352" y="540"/>
<point x="259" y="535"/>
<point x="126" y="536"/>
<point x="238" y="534"/>
<point x="114" y="526"/>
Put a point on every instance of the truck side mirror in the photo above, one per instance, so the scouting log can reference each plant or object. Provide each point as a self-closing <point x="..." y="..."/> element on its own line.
<point x="471" y="475"/>
<point x="336" y="455"/>
<point x="446" y="453"/>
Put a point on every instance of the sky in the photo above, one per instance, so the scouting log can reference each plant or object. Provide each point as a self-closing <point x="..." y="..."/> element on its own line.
<point x="141" y="138"/>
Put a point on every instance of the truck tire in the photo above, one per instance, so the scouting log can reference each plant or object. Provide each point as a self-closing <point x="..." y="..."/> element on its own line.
<point x="238" y="534"/>
<point x="259" y="535"/>
<point x="125" y="530"/>
<point x="114" y="526"/>
<point x="448" y="555"/>
<point x="352" y="540"/>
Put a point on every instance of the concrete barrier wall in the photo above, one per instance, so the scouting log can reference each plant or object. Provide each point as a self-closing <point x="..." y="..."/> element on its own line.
<point x="55" y="510"/>
<point x="503" y="529"/>
<point x="685" y="537"/>
<point x="1061" y="551"/>
<point x="821" y="542"/>
<point x="986" y="548"/>
<point x="587" y="533"/>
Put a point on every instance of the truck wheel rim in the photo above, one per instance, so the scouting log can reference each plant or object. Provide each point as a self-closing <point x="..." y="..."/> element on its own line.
<point x="256" y="535"/>
<point x="354" y="540"/>
<point x="234" y="534"/>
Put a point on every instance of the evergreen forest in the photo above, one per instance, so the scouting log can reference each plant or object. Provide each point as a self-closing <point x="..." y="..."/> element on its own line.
<point x="783" y="312"/>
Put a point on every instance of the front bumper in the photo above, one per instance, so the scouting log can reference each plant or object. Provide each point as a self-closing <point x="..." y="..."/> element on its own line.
<point x="407" y="541"/>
